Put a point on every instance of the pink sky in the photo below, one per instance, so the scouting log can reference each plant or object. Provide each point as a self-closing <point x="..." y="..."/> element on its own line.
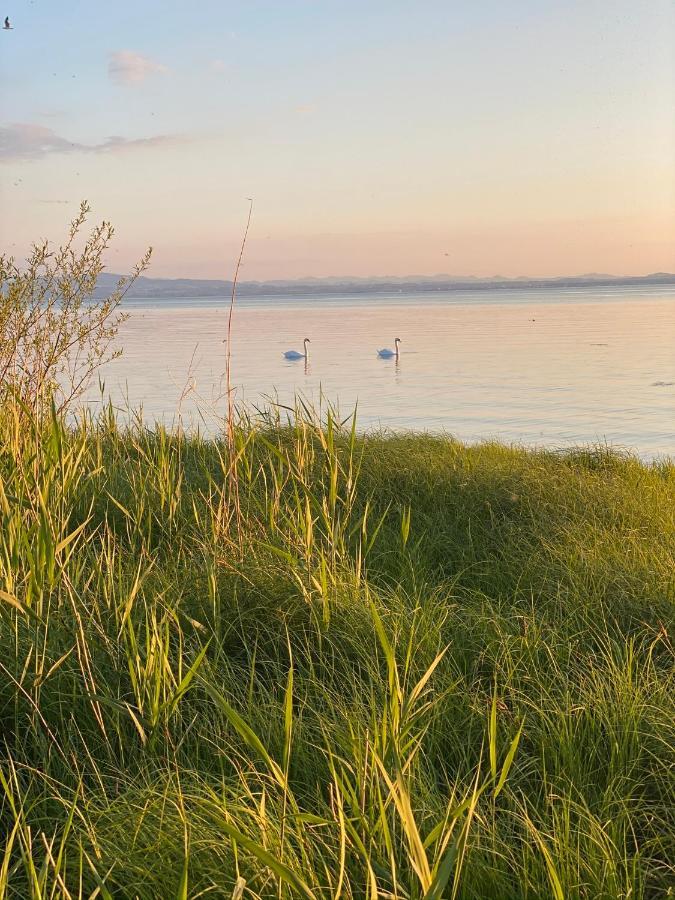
<point x="468" y="139"/>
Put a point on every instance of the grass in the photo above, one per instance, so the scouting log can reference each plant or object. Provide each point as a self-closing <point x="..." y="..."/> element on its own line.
<point x="402" y="668"/>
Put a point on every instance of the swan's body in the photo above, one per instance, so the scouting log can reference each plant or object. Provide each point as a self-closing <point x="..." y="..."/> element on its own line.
<point x="386" y="353"/>
<point x="295" y="354"/>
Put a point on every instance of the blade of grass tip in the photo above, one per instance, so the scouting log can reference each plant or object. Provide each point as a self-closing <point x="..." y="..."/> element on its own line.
<point x="245" y="731"/>
<point x="281" y="870"/>
<point x="464" y="834"/>
<point x="443" y="872"/>
<point x="373" y="890"/>
<point x="282" y="554"/>
<point x="492" y="733"/>
<point x="7" y="858"/>
<point x="382" y="823"/>
<point x="554" y="879"/>
<point x="288" y="741"/>
<point x="251" y="678"/>
<point x="122" y="508"/>
<point x="100" y="882"/>
<point x="387" y="649"/>
<point x="71" y="537"/>
<point x="135" y="588"/>
<point x="454" y="813"/>
<point x="288" y="713"/>
<point x="272" y="448"/>
<point x="343" y="788"/>
<point x="182" y="688"/>
<point x="343" y="840"/>
<point x="406" y="518"/>
<point x="508" y="761"/>
<point x="13" y="602"/>
<point x="401" y="798"/>
<point x="65" y="831"/>
<point x="378" y="526"/>
<point x="419" y="687"/>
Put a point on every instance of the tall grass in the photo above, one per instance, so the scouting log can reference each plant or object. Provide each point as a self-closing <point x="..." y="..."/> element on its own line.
<point x="387" y="667"/>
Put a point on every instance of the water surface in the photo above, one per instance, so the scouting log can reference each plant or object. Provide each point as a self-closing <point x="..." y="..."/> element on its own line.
<point x="547" y="368"/>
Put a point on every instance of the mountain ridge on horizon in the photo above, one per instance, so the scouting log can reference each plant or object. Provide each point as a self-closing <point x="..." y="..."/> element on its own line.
<point x="147" y="287"/>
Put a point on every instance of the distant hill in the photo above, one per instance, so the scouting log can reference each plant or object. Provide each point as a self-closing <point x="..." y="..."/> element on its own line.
<point x="154" y="288"/>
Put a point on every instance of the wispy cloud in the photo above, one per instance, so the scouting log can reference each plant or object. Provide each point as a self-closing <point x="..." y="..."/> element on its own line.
<point x="24" y="140"/>
<point x="129" y="68"/>
<point x="217" y="66"/>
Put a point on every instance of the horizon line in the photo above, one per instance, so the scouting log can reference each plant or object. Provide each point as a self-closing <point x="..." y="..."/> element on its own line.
<point x="365" y="279"/>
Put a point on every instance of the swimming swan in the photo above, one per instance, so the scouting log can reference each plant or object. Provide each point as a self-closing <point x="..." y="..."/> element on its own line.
<point x="387" y="354"/>
<point x="294" y="354"/>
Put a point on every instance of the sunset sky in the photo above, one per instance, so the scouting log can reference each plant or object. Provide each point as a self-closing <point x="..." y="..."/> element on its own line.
<point x="376" y="136"/>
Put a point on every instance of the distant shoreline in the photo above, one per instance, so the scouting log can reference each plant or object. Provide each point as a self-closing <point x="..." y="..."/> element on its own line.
<point x="155" y="288"/>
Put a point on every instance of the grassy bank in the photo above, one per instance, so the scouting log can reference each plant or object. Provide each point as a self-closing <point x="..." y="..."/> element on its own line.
<point x="335" y="666"/>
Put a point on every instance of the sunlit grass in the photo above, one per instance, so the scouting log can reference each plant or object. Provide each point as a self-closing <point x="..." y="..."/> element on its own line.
<point x="401" y="668"/>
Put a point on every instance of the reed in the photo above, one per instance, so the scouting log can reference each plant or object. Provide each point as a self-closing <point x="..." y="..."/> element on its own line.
<point x="404" y="668"/>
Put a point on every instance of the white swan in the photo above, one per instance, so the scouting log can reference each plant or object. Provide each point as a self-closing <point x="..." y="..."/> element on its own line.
<point x="387" y="354"/>
<point x="294" y="354"/>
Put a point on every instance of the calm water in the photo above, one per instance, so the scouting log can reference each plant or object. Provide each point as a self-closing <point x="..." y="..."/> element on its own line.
<point x="549" y="368"/>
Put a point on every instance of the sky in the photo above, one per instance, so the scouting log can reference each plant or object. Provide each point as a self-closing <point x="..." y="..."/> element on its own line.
<point x="376" y="137"/>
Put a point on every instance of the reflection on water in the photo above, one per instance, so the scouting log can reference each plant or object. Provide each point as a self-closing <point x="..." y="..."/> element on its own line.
<point x="547" y="368"/>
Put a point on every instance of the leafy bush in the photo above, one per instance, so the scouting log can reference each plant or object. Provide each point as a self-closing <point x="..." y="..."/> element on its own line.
<point x="53" y="334"/>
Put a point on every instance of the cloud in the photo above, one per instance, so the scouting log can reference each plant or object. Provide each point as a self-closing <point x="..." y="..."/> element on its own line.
<point x="217" y="65"/>
<point x="129" y="68"/>
<point x="24" y="140"/>
<point x="115" y="143"/>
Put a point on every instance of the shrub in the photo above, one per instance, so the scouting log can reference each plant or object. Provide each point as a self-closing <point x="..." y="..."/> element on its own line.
<point x="53" y="334"/>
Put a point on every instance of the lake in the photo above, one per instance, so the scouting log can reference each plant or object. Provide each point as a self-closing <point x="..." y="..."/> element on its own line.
<point x="550" y="368"/>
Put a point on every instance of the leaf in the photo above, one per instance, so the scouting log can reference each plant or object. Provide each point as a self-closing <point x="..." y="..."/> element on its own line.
<point x="25" y="610"/>
<point x="120" y="506"/>
<point x="281" y="870"/>
<point x="454" y="813"/>
<point x="185" y="683"/>
<point x="245" y="731"/>
<point x="401" y="798"/>
<point x="182" y="893"/>
<point x="443" y="873"/>
<point x="288" y="718"/>
<point x="71" y="537"/>
<point x="508" y="760"/>
<point x="492" y="734"/>
<point x="105" y="893"/>
<point x="280" y="552"/>
<point x="463" y="837"/>
<point x="406" y="517"/>
<point x="419" y="687"/>
<point x="384" y="640"/>
<point x="553" y="877"/>
<point x="11" y="599"/>
<point x="378" y="526"/>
